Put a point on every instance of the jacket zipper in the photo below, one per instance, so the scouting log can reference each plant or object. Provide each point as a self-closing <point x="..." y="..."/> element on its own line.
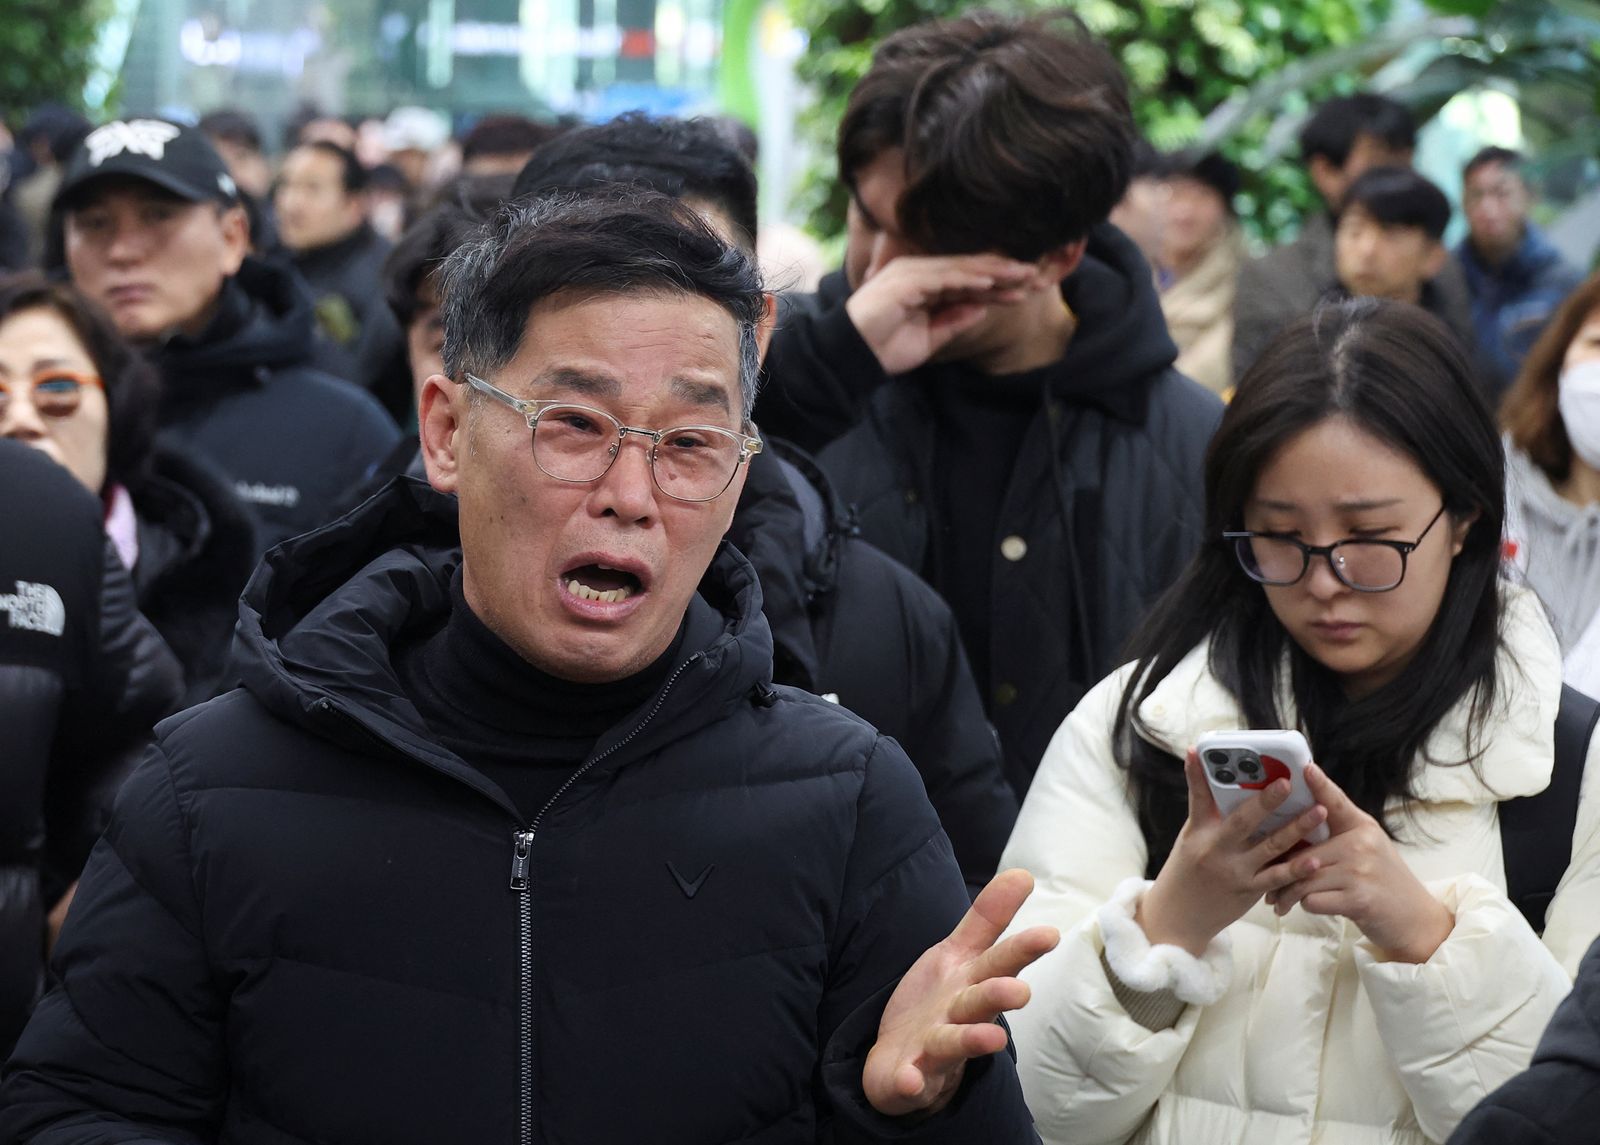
<point x="522" y="882"/>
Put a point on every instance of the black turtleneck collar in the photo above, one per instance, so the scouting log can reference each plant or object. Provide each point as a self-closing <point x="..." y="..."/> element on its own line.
<point x="523" y="728"/>
<point x="335" y="254"/>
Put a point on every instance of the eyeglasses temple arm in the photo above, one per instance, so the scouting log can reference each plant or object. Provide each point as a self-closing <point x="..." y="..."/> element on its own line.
<point x="521" y="405"/>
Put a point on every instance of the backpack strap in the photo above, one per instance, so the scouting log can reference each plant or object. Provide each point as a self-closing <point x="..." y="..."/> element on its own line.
<point x="1536" y="830"/>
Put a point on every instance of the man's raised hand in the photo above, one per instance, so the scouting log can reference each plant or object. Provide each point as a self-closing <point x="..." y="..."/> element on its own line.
<point x="943" y="1012"/>
<point x="916" y="304"/>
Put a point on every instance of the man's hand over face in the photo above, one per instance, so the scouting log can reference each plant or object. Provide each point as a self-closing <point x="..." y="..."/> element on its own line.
<point x="944" y="1010"/>
<point x="916" y="304"/>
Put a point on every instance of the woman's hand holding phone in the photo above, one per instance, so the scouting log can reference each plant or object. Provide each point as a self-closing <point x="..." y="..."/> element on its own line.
<point x="1359" y="874"/>
<point x="1215" y="873"/>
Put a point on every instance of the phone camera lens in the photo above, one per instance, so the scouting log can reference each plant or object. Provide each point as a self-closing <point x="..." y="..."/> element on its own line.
<point x="1225" y="776"/>
<point x="1250" y="767"/>
<point x="1217" y="758"/>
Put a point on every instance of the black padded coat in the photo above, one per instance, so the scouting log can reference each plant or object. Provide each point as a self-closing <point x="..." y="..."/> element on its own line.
<point x="83" y="678"/>
<point x="850" y="624"/>
<point x="310" y="923"/>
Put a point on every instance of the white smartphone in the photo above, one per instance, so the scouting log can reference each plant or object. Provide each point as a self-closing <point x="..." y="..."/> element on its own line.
<point x="1238" y="765"/>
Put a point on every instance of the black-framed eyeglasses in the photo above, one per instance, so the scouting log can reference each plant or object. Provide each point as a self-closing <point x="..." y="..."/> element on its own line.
<point x="578" y="443"/>
<point x="1364" y="565"/>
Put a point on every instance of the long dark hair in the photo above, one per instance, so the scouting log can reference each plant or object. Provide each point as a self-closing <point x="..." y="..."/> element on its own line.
<point x="133" y="388"/>
<point x="1395" y="372"/>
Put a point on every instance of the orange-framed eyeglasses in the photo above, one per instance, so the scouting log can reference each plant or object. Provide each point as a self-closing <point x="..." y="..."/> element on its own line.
<point x="55" y="392"/>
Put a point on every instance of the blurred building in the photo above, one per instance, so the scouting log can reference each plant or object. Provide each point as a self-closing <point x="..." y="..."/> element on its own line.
<point x="463" y="57"/>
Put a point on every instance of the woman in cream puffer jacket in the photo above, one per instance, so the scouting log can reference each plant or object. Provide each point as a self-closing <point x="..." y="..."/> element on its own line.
<point x="1300" y="1029"/>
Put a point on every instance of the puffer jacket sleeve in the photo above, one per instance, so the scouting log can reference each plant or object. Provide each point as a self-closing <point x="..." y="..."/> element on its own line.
<point x="1557" y="1101"/>
<point x="903" y="894"/>
<point x="132" y="681"/>
<point x="1090" y="1072"/>
<point x="1458" y="1026"/>
<point x="129" y="1046"/>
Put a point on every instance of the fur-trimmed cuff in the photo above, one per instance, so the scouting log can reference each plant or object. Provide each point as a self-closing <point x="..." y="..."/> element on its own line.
<point x="1146" y="968"/>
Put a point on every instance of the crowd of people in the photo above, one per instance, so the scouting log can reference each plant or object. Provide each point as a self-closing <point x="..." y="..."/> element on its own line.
<point x="482" y="664"/>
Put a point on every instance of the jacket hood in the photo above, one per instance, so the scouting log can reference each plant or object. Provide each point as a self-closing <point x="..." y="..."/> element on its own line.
<point x="321" y="616"/>
<point x="194" y="533"/>
<point x="1121" y="341"/>
<point x="264" y="322"/>
<point x="790" y="526"/>
<point x="1517" y="760"/>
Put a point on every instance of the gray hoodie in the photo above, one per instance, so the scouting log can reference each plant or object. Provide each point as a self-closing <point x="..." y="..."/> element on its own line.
<point x="1556" y="543"/>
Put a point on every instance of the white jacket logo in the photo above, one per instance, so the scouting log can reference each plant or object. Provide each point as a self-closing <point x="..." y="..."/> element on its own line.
<point x="141" y="136"/>
<point x="35" y="607"/>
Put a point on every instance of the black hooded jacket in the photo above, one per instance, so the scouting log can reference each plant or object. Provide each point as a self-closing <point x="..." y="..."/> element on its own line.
<point x="83" y="677"/>
<point x="1079" y="492"/>
<point x="197" y="548"/>
<point x="244" y="396"/>
<point x="310" y="922"/>
<point x="852" y="625"/>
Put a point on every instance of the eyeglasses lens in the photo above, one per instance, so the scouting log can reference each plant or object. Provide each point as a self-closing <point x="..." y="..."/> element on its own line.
<point x="53" y="395"/>
<point x="572" y="443"/>
<point x="1270" y="560"/>
<point x="1371" y="567"/>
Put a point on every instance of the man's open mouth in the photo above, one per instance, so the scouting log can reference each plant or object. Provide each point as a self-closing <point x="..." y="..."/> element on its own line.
<point x="601" y="583"/>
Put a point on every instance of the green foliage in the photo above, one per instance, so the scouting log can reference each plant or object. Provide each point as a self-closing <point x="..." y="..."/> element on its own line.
<point x="1183" y="58"/>
<point x="46" y="54"/>
<point x="1545" y="51"/>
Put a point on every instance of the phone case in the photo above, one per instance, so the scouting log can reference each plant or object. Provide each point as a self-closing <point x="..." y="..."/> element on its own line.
<point x="1240" y="764"/>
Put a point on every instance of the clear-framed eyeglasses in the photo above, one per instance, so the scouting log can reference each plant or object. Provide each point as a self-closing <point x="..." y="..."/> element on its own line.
<point x="1364" y="565"/>
<point x="578" y="443"/>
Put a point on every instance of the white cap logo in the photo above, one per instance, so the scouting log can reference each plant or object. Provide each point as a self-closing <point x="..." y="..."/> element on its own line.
<point x="140" y="136"/>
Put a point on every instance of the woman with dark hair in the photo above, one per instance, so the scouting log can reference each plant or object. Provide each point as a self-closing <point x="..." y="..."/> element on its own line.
<point x="71" y="387"/>
<point x="1551" y="417"/>
<point x="1216" y="986"/>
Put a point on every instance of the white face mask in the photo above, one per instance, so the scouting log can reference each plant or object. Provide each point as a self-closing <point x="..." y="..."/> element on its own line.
<point x="1579" y="401"/>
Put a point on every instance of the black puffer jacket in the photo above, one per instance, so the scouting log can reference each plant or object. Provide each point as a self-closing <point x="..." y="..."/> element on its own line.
<point x="1104" y="493"/>
<point x="196" y="550"/>
<point x="308" y="922"/>
<point x="243" y="395"/>
<point x="852" y="624"/>
<point x="1556" y="1101"/>
<point x="83" y="678"/>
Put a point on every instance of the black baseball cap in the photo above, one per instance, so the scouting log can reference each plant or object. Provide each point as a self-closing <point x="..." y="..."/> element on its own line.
<point x="175" y="158"/>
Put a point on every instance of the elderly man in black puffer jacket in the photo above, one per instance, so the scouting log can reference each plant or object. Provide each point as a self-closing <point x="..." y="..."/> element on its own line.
<point x="523" y="845"/>
<point x="83" y="677"/>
